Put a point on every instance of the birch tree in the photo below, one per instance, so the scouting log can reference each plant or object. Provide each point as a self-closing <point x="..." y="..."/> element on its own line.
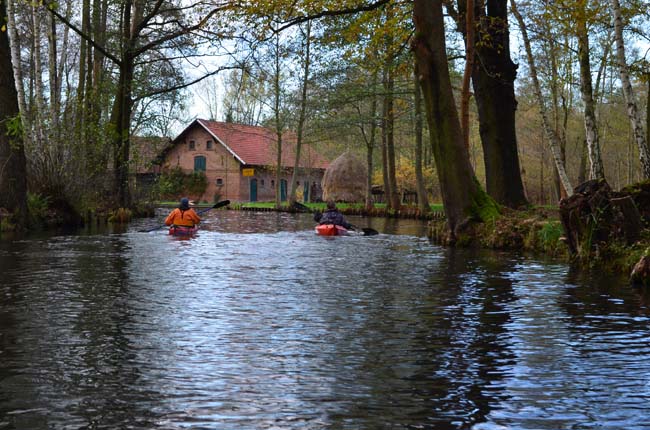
<point x="628" y="91"/>
<point x="551" y="135"/>
<point x="596" y="170"/>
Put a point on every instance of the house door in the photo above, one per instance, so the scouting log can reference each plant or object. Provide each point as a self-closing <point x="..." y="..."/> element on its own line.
<point x="283" y="190"/>
<point x="305" y="191"/>
<point x="253" y="190"/>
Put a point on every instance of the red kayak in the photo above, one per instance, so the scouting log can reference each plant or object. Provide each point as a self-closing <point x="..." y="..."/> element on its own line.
<point x="331" y="230"/>
<point x="180" y="230"/>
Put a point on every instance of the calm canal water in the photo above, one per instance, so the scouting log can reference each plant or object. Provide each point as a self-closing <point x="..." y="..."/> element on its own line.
<point x="257" y="323"/>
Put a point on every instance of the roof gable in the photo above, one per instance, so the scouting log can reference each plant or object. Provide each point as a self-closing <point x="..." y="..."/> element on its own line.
<point x="257" y="146"/>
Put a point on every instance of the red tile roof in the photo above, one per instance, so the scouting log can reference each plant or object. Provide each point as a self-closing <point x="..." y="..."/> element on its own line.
<point x="257" y="146"/>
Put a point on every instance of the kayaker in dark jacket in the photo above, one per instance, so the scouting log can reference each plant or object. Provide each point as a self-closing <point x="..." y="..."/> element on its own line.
<point x="332" y="216"/>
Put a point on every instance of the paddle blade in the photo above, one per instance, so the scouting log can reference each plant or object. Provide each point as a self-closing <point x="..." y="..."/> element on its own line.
<point x="149" y="230"/>
<point x="369" y="232"/>
<point x="300" y="207"/>
<point x="221" y="204"/>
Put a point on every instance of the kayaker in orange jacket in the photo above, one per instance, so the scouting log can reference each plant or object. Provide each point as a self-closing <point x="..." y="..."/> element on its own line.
<point x="183" y="215"/>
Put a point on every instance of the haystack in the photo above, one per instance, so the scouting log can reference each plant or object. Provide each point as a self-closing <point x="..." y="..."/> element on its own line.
<point x="345" y="179"/>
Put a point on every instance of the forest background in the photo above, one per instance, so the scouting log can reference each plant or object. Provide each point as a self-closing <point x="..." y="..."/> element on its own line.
<point x="344" y="76"/>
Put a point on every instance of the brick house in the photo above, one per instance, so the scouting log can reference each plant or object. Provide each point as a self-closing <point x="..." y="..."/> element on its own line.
<point x="240" y="161"/>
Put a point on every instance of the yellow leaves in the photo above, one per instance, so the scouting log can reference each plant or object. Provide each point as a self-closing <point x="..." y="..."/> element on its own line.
<point x="3" y="28"/>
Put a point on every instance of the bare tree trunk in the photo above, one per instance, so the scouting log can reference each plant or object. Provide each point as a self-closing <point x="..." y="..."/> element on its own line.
<point x="64" y="52"/>
<point x="582" y="170"/>
<point x="40" y="114"/>
<point x="388" y="196"/>
<point x="394" y="202"/>
<point x="596" y="169"/>
<point x="121" y="114"/>
<point x="13" y="170"/>
<point x="559" y="111"/>
<point x="55" y="80"/>
<point x="278" y="124"/>
<point x="84" y="52"/>
<point x="99" y="17"/>
<point x="17" y="66"/>
<point x="423" y="200"/>
<point x="301" y="118"/>
<point x="554" y="143"/>
<point x="469" y="66"/>
<point x="628" y="91"/>
<point x="370" y="142"/>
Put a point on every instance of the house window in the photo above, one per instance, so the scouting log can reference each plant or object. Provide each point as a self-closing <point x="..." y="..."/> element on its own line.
<point x="208" y="144"/>
<point x="192" y="145"/>
<point x="262" y="183"/>
<point x="222" y="160"/>
<point x="297" y="183"/>
<point x="272" y="183"/>
<point x="219" y="182"/>
<point x="199" y="163"/>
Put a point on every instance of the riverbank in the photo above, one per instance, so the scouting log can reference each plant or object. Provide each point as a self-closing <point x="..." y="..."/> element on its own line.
<point x="537" y="230"/>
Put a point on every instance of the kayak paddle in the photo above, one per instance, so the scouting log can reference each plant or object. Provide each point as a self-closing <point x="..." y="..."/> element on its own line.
<point x="215" y="206"/>
<point x="366" y="231"/>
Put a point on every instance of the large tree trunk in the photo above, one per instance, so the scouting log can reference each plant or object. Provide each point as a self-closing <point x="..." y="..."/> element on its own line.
<point x="121" y="114"/>
<point x="596" y="169"/>
<point x="628" y="92"/>
<point x="423" y="199"/>
<point x="464" y="200"/>
<point x="120" y="122"/>
<point x="554" y="142"/>
<point x="493" y="79"/>
<point x="13" y="170"/>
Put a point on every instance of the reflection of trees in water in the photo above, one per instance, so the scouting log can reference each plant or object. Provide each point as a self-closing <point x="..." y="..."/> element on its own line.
<point x="104" y="326"/>
<point x="595" y="291"/>
<point x="18" y="386"/>
<point x="73" y="324"/>
<point x="432" y="352"/>
<point x="395" y="225"/>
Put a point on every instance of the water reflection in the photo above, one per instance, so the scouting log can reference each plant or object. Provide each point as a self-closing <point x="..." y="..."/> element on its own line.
<point x="259" y="323"/>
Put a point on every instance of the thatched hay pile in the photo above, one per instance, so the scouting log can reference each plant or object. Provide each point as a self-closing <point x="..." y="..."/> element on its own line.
<point x="345" y="179"/>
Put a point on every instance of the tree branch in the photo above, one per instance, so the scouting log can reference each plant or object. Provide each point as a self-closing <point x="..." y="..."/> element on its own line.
<point x="175" y="35"/>
<point x="83" y="35"/>
<point x="184" y="84"/>
<point x="326" y="13"/>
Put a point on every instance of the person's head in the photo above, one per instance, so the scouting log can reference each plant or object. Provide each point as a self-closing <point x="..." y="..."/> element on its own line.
<point x="331" y="204"/>
<point x="185" y="203"/>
